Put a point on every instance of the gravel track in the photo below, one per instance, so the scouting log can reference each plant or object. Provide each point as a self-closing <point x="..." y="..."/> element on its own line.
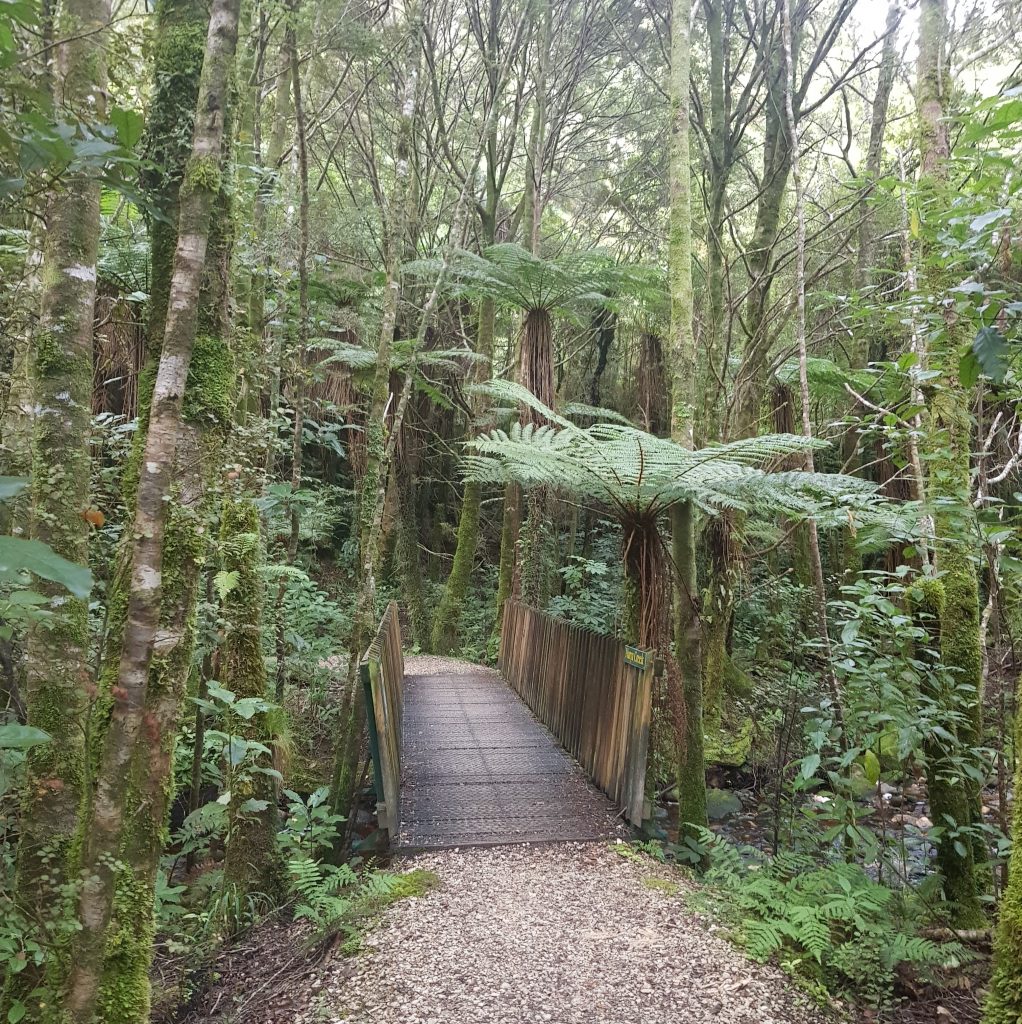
<point x="567" y="933"/>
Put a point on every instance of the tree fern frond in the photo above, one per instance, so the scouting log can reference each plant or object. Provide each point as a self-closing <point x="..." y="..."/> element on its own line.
<point x="621" y="466"/>
<point x="581" y="411"/>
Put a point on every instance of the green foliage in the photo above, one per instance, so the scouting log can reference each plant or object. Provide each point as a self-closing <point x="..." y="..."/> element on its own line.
<point x="592" y="591"/>
<point x="901" y="710"/>
<point x="310" y="827"/>
<point x="511" y="274"/>
<point x="626" y="469"/>
<point x="831" y="925"/>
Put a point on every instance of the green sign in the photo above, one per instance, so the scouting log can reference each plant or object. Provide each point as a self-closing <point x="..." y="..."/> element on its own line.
<point x="638" y="657"/>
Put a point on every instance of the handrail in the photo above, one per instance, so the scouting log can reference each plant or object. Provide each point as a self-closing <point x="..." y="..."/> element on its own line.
<point x="382" y="670"/>
<point x="590" y="690"/>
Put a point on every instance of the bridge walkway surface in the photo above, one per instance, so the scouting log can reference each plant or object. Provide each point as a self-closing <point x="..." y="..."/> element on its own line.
<point x="478" y="769"/>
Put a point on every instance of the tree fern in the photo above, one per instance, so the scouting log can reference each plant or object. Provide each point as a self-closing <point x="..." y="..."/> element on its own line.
<point x="625" y="468"/>
<point x="510" y="274"/>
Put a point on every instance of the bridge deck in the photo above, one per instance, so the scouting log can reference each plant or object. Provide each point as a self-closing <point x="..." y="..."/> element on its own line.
<point x="478" y="769"/>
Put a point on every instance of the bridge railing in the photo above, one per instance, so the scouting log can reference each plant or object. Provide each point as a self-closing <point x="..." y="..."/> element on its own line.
<point x="383" y="671"/>
<point x="590" y="690"/>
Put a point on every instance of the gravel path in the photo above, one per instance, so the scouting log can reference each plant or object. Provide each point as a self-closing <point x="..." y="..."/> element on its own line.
<point x="568" y="933"/>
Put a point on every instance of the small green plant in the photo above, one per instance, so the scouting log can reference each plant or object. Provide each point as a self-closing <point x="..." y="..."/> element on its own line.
<point x="661" y="885"/>
<point x="831" y="926"/>
<point x="310" y="827"/>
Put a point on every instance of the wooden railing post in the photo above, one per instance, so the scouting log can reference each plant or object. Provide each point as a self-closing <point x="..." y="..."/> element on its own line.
<point x="382" y="674"/>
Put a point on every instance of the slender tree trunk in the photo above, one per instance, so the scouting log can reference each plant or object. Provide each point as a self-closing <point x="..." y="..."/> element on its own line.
<point x="719" y="172"/>
<point x="950" y="488"/>
<point x="687" y="627"/>
<point x="373" y="496"/>
<point x="794" y="148"/>
<point x="446" y="623"/>
<point x="1004" y="1002"/>
<point x="252" y="864"/>
<point x="57" y="671"/>
<point x="298" y="366"/>
<point x="102" y="837"/>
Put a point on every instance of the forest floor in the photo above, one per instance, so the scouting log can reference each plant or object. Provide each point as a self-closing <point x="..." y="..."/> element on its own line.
<point x="567" y="933"/>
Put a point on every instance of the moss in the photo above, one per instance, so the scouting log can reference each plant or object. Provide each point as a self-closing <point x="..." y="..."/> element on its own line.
<point x="125" y="992"/>
<point x="661" y="885"/>
<point x="415" y="883"/>
<point x="202" y="172"/>
<point x="1004" y="1003"/>
<point x="252" y="865"/>
<point x="729" y="740"/>
<point x="448" y="615"/>
<point x="212" y="390"/>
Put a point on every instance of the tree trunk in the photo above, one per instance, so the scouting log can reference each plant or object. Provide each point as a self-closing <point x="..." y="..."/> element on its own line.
<point x="253" y="868"/>
<point x="687" y="628"/>
<point x="298" y="365"/>
<point x="129" y="725"/>
<point x="57" y="671"/>
<point x="794" y="148"/>
<point x="446" y="624"/>
<point x="950" y="488"/>
<point x="1004" y="1002"/>
<point x="373" y="495"/>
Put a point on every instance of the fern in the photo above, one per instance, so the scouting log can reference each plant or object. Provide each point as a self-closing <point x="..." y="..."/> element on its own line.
<point x="836" y="924"/>
<point x="628" y="470"/>
<point x="510" y="274"/>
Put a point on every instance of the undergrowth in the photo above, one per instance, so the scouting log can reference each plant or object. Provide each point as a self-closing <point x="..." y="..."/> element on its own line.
<point x="830" y="926"/>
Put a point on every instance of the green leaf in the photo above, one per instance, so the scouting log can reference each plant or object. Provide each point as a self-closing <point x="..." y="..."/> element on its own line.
<point x="225" y="582"/>
<point x="18" y="556"/>
<point x="253" y="806"/>
<point x="220" y="693"/>
<point x="984" y="220"/>
<point x="990" y="349"/>
<point x="20" y="737"/>
<point x="16" y="1012"/>
<point x="871" y="764"/>
<point x="809" y="766"/>
<point x="968" y="369"/>
<point x="129" y="125"/>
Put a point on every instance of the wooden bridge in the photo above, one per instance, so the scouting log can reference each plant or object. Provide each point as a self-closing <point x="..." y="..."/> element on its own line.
<point x="551" y="747"/>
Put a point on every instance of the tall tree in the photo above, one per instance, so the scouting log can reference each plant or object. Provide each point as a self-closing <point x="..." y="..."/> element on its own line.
<point x="954" y="593"/>
<point x="103" y="832"/>
<point x="684" y="376"/>
<point x="57" y="672"/>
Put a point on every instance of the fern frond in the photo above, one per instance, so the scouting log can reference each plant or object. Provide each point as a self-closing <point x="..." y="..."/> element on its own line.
<point x="623" y="467"/>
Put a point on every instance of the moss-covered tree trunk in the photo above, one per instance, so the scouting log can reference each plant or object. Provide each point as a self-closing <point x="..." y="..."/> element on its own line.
<point x="253" y="868"/>
<point x="57" y="670"/>
<point x="130" y="726"/>
<point x="1004" y="1003"/>
<point x="684" y="369"/>
<point x="447" y="621"/>
<point x="206" y="421"/>
<point x="950" y="491"/>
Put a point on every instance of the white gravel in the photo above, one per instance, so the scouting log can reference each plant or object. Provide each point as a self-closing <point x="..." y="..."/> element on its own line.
<point x="566" y="933"/>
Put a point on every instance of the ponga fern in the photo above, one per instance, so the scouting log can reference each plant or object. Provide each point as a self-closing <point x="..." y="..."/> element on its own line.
<point x="513" y="276"/>
<point x="839" y="925"/>
<point x="637" y="477"/>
